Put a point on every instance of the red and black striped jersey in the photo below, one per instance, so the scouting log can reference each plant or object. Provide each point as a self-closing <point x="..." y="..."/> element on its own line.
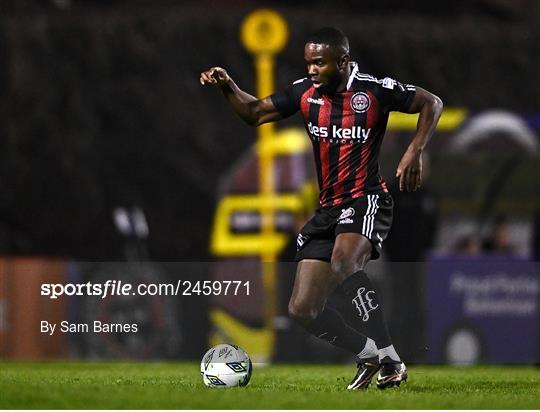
<point x="346" y="130"/>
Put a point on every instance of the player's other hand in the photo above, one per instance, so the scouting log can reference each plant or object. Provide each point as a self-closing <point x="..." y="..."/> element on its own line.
<point x="409" y="170"/>
<point x="215" y="75"/>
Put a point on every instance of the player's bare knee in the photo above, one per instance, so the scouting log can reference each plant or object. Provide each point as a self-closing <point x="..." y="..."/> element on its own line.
<point x="344" y="266"/>
<point x="302" y="312"/>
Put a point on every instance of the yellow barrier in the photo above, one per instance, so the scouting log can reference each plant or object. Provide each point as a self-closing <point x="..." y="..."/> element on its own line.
<point x="450" y="120"/>
<point x="257" y="342"/>
<point x="227" y="243"/>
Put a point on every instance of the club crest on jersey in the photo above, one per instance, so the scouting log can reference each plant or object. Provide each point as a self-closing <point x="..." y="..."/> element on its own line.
<point x="360" y="102"/>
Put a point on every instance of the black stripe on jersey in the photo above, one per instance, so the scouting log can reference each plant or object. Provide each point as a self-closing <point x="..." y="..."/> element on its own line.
<point x="360" y="119"/>
<point x="336" y="117"/>
<point x="314" y="119"/>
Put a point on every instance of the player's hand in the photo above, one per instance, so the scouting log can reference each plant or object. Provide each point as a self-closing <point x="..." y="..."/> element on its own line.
<point x="409" y="170"/>
<point x="215" y="75"/>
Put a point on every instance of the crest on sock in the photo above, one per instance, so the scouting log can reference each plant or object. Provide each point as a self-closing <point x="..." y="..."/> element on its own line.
<point x="364" y="303"/>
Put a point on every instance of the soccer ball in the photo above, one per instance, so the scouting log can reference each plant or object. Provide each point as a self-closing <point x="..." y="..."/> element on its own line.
<point x="226" y="366"/>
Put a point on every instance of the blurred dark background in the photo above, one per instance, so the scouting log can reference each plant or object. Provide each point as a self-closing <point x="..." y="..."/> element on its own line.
<point x="100" y="104"/>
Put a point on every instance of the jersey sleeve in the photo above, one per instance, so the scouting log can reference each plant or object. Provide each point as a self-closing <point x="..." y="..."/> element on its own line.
<point x="398" y="96"/>
<point x="287" y="101"/>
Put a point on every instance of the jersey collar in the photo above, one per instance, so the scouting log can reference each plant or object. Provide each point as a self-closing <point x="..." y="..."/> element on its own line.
<point x="353" y="73"/>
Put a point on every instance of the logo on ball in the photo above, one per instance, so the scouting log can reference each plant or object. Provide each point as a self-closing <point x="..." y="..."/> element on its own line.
<point x="236" y="366"/>
<point x="225" y="366"/>
<point x="360" y="102"/>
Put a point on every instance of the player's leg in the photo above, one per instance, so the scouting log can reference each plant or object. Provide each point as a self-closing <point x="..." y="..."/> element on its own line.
<point x="313" y="284"/>
<point x="358" y="239"/>
<point x="351" y="253"/>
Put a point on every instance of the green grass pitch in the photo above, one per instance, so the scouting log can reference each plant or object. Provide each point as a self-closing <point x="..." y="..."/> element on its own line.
<point x="174" y="385"/>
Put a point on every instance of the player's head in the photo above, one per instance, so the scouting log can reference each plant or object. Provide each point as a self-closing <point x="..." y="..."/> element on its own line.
<point x="332" y="37"/>
<point x="327" y="57"/>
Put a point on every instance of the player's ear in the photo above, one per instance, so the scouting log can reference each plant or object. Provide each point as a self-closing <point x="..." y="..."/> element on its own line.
<point x="344" y="61"/>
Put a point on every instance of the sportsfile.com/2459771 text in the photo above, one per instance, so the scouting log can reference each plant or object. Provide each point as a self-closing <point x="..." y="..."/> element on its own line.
<point x="120" y="288"/>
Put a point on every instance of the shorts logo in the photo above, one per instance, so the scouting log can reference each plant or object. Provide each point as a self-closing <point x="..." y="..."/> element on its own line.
<point x="345" y="216"/>
<point x="300" y="241"/>
<point x="345" y="213"/>
<point x="360" y="102"/>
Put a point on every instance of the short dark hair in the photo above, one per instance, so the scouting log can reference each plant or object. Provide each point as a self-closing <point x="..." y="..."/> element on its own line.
<point x="330" y="36"/>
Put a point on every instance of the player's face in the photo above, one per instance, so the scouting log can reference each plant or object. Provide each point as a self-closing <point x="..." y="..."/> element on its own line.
<point x="323" y="66"/>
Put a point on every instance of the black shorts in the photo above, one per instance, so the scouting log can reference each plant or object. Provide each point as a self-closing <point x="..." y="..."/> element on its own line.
<point x="369" y="215"/>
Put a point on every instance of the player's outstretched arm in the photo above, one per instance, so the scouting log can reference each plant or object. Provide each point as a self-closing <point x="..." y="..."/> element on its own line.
<point x="409" y="170"/>
<point x="252" y="110"/>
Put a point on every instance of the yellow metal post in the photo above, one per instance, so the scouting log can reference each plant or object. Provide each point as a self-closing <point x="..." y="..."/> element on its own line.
<point x="264" y="33"/>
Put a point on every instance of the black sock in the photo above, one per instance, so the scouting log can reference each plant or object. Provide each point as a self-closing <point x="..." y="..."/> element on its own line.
<point x="331" y="327"/>
<point x="366" y="304"/>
